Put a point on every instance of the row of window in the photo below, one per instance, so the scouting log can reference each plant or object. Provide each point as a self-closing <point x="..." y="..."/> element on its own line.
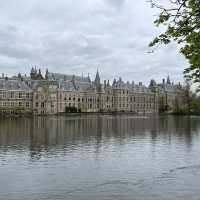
<point x="126" y="106"/>
<point x="12" y="95"/>
<point x="132" y="99"/>
<point x="81" y="99"/>
<point x="42" y="105"/>
<point x="15" y="104"/>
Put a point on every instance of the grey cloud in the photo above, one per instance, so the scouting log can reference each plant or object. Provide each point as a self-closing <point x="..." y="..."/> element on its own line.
<point x="76" y="36"/>
<point x="117" y="3"/>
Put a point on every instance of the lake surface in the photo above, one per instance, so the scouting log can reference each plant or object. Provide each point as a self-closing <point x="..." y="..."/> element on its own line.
<point x="100" y="157"/>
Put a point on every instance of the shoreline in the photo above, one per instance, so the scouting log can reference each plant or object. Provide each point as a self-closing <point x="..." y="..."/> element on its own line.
<point x="76" y="114"/>
<point x="6" y="116"/>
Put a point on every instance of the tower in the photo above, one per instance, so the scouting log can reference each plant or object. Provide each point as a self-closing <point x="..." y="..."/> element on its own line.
<point x="33" y="73"/>
<point x="89" y="80"/>
<point x="168" y="80"/>
<point x="97" y="81"/>
<point x="97" y="78"/>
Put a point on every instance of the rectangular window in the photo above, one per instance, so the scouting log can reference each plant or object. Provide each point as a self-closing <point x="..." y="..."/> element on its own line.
<point x="20" y="95"/>
<point x="12" y="95"/>
<point x="4" y="95"/>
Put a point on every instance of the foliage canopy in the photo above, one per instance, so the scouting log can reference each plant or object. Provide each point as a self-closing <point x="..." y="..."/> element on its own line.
<point x="182" y="21"/>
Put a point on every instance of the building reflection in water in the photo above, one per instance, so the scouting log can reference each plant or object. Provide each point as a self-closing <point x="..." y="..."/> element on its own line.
<point x="42" y="135"/>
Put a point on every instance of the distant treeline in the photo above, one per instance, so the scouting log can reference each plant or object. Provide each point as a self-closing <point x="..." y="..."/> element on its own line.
<point x="192" y="107"/>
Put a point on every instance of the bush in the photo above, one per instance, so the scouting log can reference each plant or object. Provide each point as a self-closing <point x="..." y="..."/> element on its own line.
<point x="72" y="109"/>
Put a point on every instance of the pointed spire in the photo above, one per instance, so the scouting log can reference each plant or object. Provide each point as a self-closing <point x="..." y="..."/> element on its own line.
<point x="32" y="70"/>
<point x="73" y="78"/>
<point x="168" y="80"/>
<point x="97" y="78"/>
<point x="114" y="82"/>
<point x="97" y="82"/>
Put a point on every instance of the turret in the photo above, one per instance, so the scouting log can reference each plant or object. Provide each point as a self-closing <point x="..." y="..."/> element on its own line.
<point x="36" y="76"/>
<point x="89" y="80"/>
<point x="152" y="83"/>
<point x="163" y="81"/>
<point x="104" y="83"/>
<point x="47" y="74"/>
<point x="39" y="72"/>
<point x="108" y="83"/>
<point x="19" y="75"/>
<point x="33" y="73"/>
<point x="114" y="82"/>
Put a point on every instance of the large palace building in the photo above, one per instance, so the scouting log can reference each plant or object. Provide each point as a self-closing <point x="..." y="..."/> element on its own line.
<point x="59" y="93"/>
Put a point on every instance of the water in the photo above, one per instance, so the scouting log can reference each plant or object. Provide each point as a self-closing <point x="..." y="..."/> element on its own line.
<point x="100" y="157"/>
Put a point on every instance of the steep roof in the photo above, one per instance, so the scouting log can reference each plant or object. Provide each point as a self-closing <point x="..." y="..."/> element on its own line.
<point x="66" y="77"/>
<point x="13" y="84"/>
<point x="73" y="85"/>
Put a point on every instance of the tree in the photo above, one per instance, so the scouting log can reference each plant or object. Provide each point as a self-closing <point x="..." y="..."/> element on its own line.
<point x="181" y="18"/>
<point x="188" y="95"/>
<point x="195" y="104"/>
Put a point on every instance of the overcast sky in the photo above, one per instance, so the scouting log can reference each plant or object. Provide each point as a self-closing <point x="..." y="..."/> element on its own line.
<point x="75" y="36"/>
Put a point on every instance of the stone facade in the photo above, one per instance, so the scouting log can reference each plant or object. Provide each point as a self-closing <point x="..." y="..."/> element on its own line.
<point x="55" y="93"/>
<point x="170" y="96"/>
<point x="15" y="96"/>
